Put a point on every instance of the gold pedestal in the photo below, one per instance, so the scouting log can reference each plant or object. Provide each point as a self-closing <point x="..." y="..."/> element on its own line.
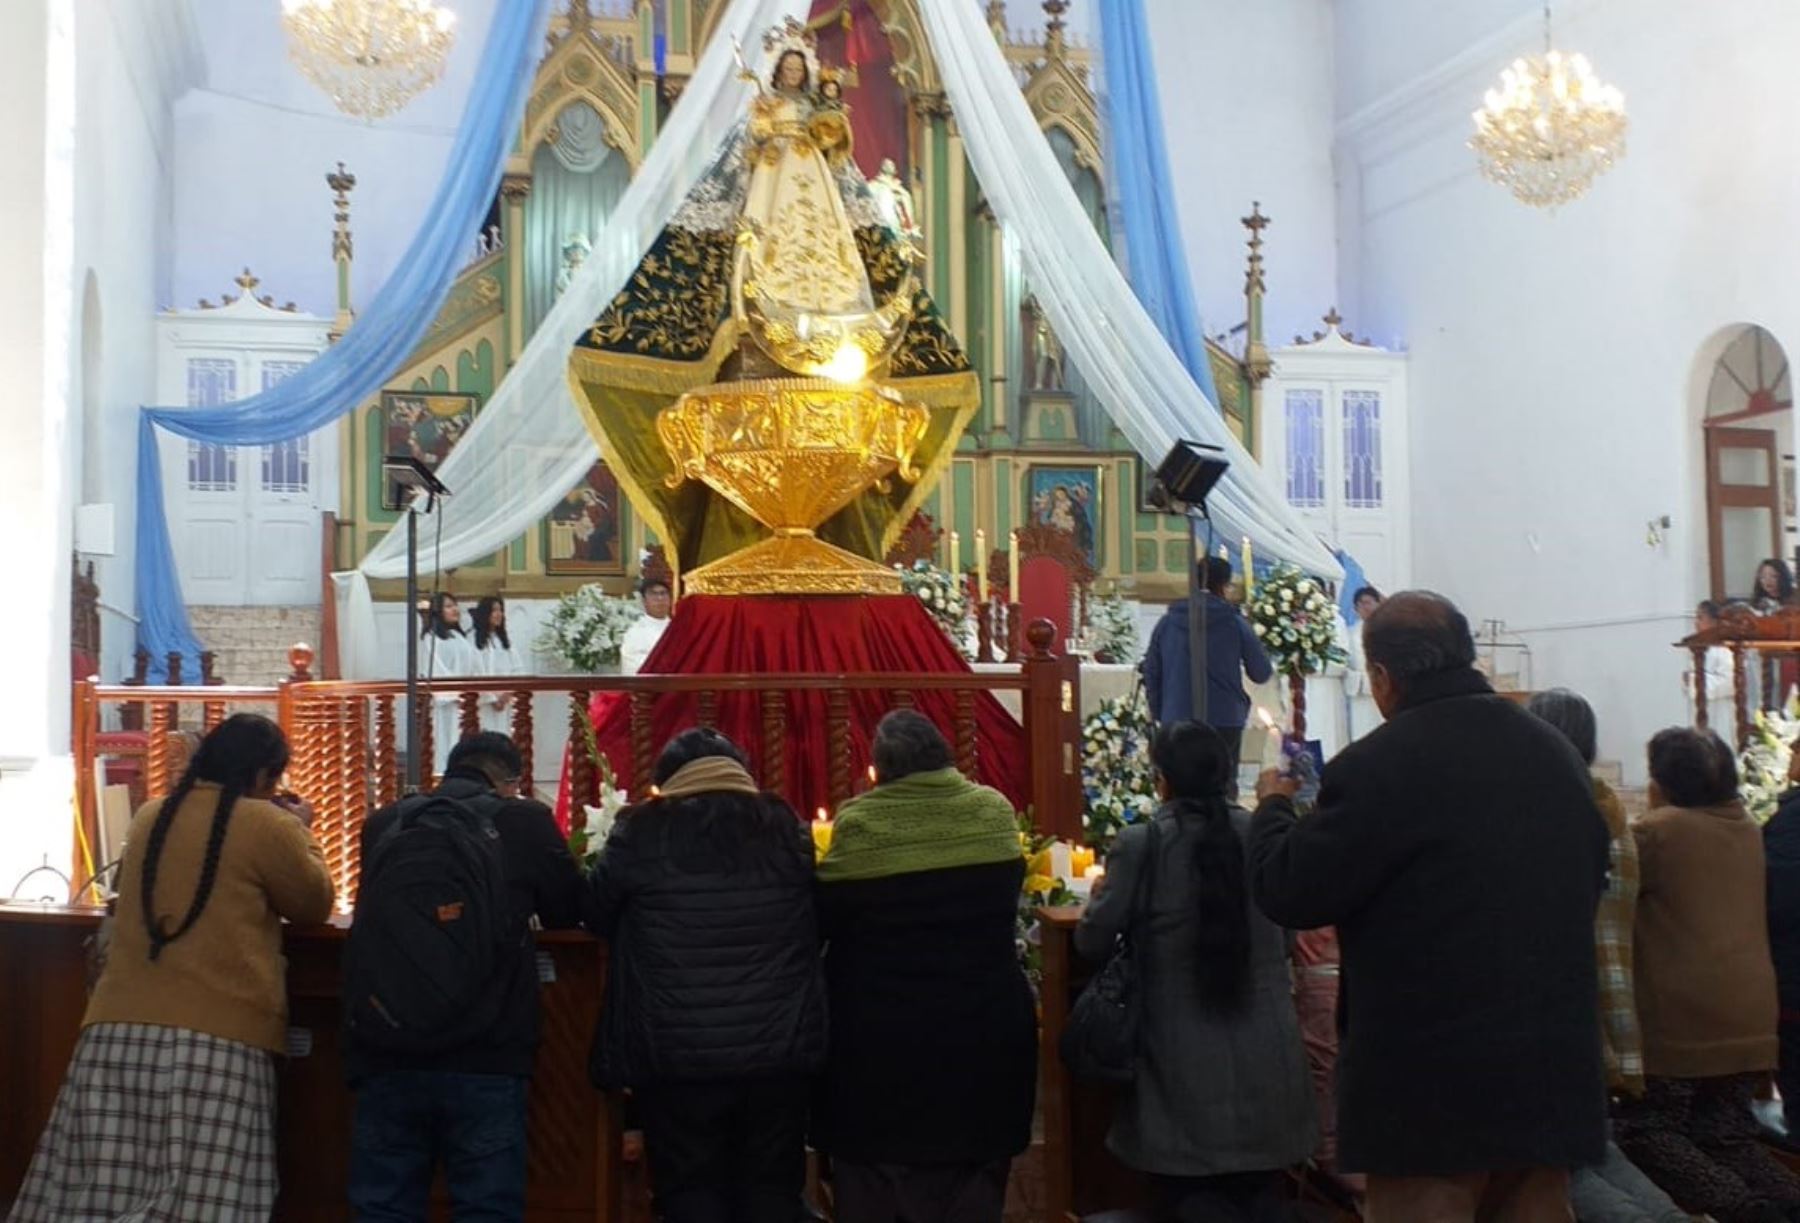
<point x="791" y="452"/>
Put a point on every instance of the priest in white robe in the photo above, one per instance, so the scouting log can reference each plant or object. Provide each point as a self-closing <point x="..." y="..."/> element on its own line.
<point x="641" y="638"/>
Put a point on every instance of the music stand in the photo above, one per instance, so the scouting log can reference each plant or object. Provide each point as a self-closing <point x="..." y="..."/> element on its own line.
<point x="403" y="471"/>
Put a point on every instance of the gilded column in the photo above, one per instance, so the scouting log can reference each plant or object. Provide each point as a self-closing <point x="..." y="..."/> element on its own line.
<point x="513" y="190"/>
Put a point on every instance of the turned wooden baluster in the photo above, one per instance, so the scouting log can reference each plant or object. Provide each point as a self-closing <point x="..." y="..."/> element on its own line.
<point x="965" y="731"/>
<point x="522" y="730"/>
<point x="1740" y="699"/>
<point x="353" y="751"/>
<point x="387" y="756"/>
<point x="211" y="714"/>
<point x="643" y="748"/>
<point x="427" y="746"/>
<point x="774" y="730"/>
<point x="903" y="699"/>
<point x="1297" y="694"/>
<point x="156" y="771"/>
<point x="1699" y="653"/>
<point x="468" y="707"/>
<point x="581" y="766"/>
<point x="708" y="712"/>
<point x="837" y="745"/>
<point x="1014" y="644"/>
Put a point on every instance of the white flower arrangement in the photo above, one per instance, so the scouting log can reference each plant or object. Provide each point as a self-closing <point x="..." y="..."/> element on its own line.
<point x="943" y="595"/>
<point x="1296" y="621"/>
<point x="1115" y="768"/>
<point x="589" y="838"/>
<point x="1763" y="767"/>
<point x="1113" y="628"/>
<point x="586" y="627"/>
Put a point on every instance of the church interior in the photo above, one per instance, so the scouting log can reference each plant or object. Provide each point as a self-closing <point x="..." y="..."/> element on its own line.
<point x="551" y="306"/>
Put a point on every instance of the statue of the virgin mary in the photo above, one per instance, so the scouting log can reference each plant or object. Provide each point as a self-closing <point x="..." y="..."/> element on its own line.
<point x="778" y="263"/>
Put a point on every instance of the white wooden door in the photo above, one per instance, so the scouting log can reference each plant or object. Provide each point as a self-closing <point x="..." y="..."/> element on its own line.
<point x="1334" y="437"/>
<point x="245" y="521"/>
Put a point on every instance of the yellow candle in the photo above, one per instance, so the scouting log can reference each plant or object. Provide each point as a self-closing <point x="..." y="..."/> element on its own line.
<point x="981" y="559"/>
<point x="955" y="564"/>
<point x="821" y="834"/>
<point x="1012" y="570"/>
<point x="1249" y="580"/>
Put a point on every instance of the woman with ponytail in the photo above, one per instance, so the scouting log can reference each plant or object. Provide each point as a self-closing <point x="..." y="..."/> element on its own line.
<point x="1220" y="1102"/>
<point x="168" y="1108"/>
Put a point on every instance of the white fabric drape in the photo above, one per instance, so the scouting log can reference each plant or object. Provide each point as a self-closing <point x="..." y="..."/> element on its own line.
<point x="1107" y="334"/>
<point x="530" y="444"/>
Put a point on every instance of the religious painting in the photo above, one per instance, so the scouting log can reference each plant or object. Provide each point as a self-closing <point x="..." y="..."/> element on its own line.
<point x="585" y="532"/>
<point x="425" y="425"/>
<point x="1067" y="500"/>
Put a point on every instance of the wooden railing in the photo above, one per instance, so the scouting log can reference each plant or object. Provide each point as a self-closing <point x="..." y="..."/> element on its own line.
<point x="1773" y="639"/>
<point x="346" y="736"/>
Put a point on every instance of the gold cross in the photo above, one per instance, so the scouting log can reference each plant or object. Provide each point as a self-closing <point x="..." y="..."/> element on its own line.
<point x="246" y="282"/>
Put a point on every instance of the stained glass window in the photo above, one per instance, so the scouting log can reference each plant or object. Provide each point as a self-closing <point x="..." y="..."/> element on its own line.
<point x="211" y="381"/>
<point x="1306" y="448"/>
<point x="286" y="466"/>
<point x="1362" y="450"/>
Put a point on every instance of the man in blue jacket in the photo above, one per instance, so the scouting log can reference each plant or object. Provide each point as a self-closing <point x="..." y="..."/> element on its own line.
<point x="1232" y="652"/>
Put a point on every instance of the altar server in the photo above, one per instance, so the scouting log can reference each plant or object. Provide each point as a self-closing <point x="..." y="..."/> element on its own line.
<point x="444" y="654"/>
<point x="168" y="1108"/>
<point x="642" y="636"/>
<point x="498" y="657"/>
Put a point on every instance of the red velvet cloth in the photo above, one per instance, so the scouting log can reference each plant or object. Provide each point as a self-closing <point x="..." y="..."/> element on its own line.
<point x="877" y="103"/>
<point x="849" y="635"/>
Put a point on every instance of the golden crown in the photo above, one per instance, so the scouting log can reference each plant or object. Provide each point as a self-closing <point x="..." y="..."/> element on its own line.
<point x="792" y="36"/>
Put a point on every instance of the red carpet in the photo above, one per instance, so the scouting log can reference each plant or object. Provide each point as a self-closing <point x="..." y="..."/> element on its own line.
<point x="848" y="635"/>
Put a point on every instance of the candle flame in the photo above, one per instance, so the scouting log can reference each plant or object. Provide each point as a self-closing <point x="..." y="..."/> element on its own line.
<point x="822" y="816"/>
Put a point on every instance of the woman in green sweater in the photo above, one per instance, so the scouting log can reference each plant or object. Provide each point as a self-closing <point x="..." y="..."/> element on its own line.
<point x="932" y="1070"/>
<point x="168" y="1107"/>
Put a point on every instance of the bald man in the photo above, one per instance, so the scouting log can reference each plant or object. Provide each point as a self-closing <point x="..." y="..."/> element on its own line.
<point x="1458" y="851"/>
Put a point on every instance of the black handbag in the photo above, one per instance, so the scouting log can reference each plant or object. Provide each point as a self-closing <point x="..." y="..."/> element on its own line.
<point x="1101" y="1040"/>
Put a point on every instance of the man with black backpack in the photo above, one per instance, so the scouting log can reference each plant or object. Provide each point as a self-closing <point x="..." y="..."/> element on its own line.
<point x="441" y="986"/>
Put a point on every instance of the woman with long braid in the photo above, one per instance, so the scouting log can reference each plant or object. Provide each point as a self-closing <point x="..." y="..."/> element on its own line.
<point x="1220" y="1101"/>
<point x="168" y="1109"/>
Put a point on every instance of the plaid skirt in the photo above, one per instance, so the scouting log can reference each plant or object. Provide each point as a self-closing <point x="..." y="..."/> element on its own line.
<point x="156" y="1125"/>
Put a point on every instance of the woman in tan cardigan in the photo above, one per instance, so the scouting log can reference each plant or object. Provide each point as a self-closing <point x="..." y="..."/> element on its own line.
<point x="1705" y="990"/>
<point x="168" y="1108"/>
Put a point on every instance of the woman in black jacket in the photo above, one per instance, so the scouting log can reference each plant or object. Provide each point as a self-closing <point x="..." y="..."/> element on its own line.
<point x="715" y="1010"/>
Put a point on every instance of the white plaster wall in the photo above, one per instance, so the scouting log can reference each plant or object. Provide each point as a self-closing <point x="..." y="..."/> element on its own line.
<point x="127" y="65"/>
<point x="1553" y="356"/>
<point x="1247" y="111"/>
<point x="252" y="150"/>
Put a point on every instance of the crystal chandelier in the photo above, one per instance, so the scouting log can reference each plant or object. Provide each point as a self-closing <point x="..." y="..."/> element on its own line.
<point x="371" y="56"/>
<point x="1550" y="128"/>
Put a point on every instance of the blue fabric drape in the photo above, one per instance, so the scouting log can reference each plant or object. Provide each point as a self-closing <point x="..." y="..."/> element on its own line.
<point x="1354" y="580"/>
<point x="1147" y="239"/>
<point x="369" y="354"/>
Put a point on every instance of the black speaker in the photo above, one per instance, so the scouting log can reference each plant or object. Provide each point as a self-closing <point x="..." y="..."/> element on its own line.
<point x="1187" y="474"/>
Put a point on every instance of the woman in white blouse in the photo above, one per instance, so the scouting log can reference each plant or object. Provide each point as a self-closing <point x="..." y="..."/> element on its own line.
<point x="496" y="656"/>
<point x="1364" y="716"/>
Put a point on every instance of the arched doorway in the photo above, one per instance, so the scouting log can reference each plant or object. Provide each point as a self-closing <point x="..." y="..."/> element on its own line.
<point x="1749" y="448"/>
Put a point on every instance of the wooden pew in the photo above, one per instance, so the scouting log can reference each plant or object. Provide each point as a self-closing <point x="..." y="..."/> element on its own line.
<point x="575" y="1170"/>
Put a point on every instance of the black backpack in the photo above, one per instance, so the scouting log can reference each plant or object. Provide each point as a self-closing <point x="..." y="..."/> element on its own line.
<point x="433" y="936"/>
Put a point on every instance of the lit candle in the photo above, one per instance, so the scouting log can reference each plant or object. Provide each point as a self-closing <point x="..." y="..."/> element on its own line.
<point x="1271" y="752"/>
<point x="871" y="774"/>
<point x="1249" y="579"/>
<point x="821" y="834"/>
<point x="1012" y="570"/>
<point x="1081" y="857"/>
<point x="1094" y="872"/>
<point x="981" y="559"/>
<point x="955" y="564"/>
<point x="949" y="550"/>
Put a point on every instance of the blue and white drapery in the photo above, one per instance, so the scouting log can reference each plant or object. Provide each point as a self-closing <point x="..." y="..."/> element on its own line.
<point x="372" y="351"/>
<point x="1147" y="237"/>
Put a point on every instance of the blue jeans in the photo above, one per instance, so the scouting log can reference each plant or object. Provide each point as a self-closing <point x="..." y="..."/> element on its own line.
<point x="408" y="1121"/>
